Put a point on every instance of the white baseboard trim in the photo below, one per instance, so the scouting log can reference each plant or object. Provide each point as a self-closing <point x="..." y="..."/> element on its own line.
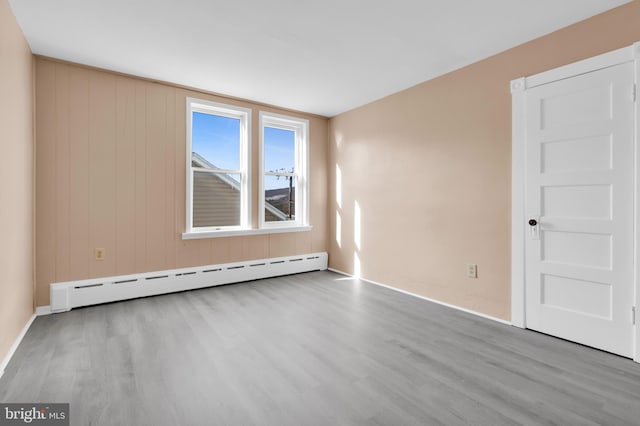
<point x="469" y="311"/>
<point x="15" y="345"/>
<point x="72" y="294"/>
<point x="43" y="310"/>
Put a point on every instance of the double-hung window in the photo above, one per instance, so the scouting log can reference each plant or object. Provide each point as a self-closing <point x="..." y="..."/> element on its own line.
<point x="218" y="178"/>
<point x="283" y="199"/>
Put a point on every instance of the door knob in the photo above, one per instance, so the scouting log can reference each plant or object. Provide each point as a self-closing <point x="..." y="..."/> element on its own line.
<point x="533" y="222"/>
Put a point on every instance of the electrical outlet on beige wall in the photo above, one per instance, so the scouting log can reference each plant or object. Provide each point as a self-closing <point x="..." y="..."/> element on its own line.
<point x="100" y="253"/>
<point x="472" y="270"/>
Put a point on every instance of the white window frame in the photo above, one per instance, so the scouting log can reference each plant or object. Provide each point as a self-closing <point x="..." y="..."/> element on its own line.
<point x="230" y="111"/>
<point x="300" y="127"/>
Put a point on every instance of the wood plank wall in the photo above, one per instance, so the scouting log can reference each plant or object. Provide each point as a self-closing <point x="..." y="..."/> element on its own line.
<point x="110" y="173"/>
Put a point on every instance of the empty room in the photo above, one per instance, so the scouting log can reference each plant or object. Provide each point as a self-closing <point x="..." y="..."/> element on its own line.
<point x="320" y="213"/>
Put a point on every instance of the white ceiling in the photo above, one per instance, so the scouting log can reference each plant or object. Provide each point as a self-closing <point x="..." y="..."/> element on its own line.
<point x="323" y="57"/>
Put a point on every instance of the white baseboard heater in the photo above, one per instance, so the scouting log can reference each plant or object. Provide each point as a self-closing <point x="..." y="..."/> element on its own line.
<point x="72" y="294"/>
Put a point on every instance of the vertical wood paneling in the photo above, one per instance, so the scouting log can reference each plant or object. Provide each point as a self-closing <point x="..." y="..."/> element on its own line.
<point x="102" y="166"/>
<point x="319" y="184"/>
<point x="171" y="236"/>
<point x="256" y="247"/>
<point x="141" y="177"/>
<point x="303" y="242"/>
<point x="204" y="252"/>
<point x="45" y="180"/>
<point x="125" y="176"/>
<point x="220" y="250"/>
<point x="111" y="173"/>
<point x="155" y="188"/>
<point x="235" y="247"/>
<point x="185" y="251"/>
<point x="61" y="161"/>
<point x="179" y="150"/>
<point x="79" y="252"/>
<point x="282" y="244"/>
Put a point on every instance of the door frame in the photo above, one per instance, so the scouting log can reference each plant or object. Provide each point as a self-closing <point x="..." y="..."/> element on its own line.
<point x="519" y="173"/>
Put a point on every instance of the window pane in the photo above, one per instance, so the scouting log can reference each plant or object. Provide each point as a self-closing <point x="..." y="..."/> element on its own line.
<point x="215" y="141"/>
<point x="279" y="198"/>
<point x="216" y="199"/>
<point x="279" y="150"/>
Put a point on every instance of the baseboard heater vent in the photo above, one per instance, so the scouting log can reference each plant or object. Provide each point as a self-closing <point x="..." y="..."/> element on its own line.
<point x="73" y="294"/>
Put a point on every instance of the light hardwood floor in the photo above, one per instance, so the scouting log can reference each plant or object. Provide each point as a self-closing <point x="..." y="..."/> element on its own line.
<point x="311" y="349"/>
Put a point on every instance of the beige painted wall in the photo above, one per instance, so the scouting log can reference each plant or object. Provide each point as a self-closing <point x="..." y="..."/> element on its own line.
<point x="16" y="180"/>
<point x="430" y="169"/>
<point x="111" y="173"/>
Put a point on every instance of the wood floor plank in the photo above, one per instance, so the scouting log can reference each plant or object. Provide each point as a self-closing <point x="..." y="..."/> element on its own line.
<point x="311" y="349"/>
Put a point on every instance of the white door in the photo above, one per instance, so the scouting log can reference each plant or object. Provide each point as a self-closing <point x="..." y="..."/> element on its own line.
<point x="580" y="182"/>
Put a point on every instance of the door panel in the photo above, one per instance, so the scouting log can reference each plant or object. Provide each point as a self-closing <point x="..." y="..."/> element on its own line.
<point x="579" y="256"/>
<point x="585" y="201"/>
<point x="595" y="297"/>
<point x="592" y="153"/>
<point x="576" y="248"/>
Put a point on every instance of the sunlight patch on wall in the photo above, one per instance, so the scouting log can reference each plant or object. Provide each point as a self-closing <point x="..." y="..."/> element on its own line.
<point x="356" y="225"/>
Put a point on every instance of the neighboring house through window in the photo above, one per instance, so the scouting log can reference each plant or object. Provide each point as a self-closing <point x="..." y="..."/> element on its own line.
<point x="218" y="171"/>
<point x="283" y="171"/>
<point x="218" y="166"/>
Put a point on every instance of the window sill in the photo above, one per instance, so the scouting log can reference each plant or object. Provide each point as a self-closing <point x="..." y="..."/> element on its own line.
<point x="243" y="232"/>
